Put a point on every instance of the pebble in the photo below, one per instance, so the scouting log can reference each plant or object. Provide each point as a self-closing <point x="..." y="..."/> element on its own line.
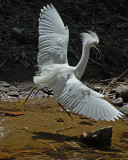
<point x="118" y="102"/>
<point x="59" y="120"/>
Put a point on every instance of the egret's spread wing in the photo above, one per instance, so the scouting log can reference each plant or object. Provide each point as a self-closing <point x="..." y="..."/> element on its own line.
<point x="53" y="38"/>
<point x="82" y="100"/>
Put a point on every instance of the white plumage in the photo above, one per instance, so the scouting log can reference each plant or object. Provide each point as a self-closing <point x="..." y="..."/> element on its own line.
<point x="55" y="73"/>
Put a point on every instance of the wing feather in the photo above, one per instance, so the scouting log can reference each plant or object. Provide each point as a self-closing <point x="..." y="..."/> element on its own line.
<point x="53" y="38"/>
<point x="82" y="100"/>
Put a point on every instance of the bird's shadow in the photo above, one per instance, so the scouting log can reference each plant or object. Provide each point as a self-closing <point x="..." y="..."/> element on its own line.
<point x="63" y="138"/>
<point x="86" y="123"/>
<point x="51" y="136"/>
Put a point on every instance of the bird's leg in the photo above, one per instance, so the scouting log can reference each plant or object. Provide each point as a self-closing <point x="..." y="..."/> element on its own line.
<point x="47" y="92"/>
<point x="67" y="112"/>
<point x="37" y="92"/>
<point x="21" y="103"/>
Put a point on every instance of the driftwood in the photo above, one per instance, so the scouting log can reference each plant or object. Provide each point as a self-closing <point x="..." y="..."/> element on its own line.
<point x="114" y="80"/>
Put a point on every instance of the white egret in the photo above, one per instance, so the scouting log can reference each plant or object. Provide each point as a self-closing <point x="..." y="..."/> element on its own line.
<point x="56" y="74"/>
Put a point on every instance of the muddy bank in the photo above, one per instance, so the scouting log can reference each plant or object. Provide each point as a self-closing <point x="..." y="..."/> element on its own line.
<point x="44" y="131"/>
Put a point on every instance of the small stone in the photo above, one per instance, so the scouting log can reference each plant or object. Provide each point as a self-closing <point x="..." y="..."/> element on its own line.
<point x="99" y="137"/>
<point x="122" y="91"/>
<point x="118" y="102"/>
<point x="59" y="120"/>
<point x="124" y="109"/>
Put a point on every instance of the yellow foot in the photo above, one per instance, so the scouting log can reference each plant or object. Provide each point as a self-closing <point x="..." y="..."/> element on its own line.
<point x="72" y="117"/>
<point x="20" y="104"/>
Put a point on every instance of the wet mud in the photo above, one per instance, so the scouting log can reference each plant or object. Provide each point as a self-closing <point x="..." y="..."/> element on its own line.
<point x="42" y="130"/>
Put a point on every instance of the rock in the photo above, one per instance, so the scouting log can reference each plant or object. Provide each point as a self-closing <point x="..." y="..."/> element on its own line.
<point x="99" y="137"/>
<point x="118" y="102"/>
<point x="4" y="89"/>
<point x="4" y="84"/>
<point x="122" y="91"/>
<point x="13" y="91"/>
<point x="124" y="109"/>
<point x="13" y="88"/>
<point x="13" y="94"/>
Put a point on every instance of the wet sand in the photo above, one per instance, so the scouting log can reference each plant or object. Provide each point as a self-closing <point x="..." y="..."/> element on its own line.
<point x="44" y="131"/>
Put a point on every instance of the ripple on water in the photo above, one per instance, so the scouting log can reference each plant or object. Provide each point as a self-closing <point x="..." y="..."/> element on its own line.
<point x="1" y="128"/>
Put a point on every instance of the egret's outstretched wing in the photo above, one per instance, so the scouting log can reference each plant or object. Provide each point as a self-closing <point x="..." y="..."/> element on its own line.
<point x="53" y="38"/>
<point x="82" y="100"/>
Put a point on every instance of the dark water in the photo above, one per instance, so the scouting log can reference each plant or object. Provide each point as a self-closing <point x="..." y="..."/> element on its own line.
<point x="44" y="131"/>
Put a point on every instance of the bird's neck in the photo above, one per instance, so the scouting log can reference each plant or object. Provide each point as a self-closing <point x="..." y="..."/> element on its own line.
<point x="83" y="61"/>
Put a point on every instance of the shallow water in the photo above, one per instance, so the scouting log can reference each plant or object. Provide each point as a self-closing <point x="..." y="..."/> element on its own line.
<point x="44" y="131"/>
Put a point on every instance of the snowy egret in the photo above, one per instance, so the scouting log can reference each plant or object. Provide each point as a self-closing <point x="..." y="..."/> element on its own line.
<point x="56" y="74"/>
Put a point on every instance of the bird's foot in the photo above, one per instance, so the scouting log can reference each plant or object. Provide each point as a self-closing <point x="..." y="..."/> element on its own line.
<point x="72" y="117"/>
<point x="21" y="103"/>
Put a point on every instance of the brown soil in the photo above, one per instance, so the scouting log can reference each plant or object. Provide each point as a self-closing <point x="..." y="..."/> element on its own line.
<point x="46" y="132"/>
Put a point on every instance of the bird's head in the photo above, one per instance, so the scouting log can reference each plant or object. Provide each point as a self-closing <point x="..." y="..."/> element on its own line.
<point x="91" y="39"/>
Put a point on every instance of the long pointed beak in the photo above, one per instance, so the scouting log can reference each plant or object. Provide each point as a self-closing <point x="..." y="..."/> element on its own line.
<point x="96" y="46"/>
